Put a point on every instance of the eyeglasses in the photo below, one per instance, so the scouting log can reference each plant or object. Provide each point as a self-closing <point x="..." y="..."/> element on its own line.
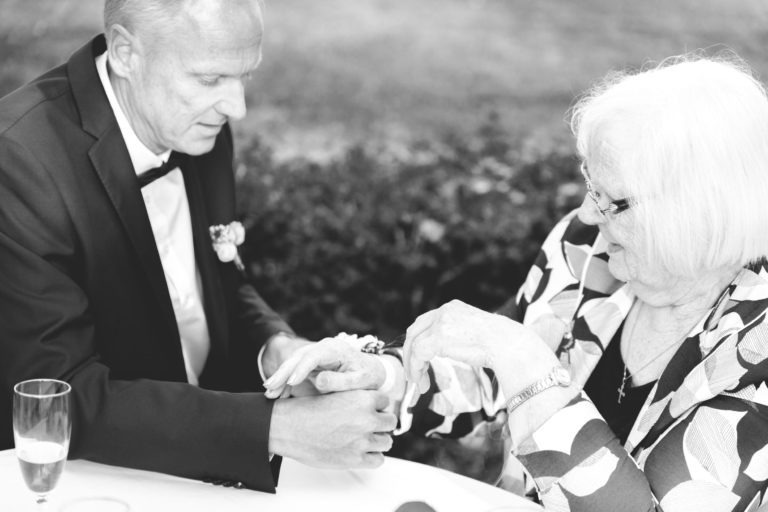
<point x="614" y="207"/>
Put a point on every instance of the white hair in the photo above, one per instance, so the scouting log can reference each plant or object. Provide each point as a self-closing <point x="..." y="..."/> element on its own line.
<point x="689" y="140"/>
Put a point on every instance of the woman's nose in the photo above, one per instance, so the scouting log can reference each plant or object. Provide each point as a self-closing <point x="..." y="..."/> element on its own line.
<point x="588" y="212"/>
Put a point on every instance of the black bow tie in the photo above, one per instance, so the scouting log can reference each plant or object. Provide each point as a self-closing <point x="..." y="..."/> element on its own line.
<point x="174" y="161"/>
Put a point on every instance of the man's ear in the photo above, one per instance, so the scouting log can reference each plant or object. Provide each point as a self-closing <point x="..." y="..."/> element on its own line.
<point x="123" y="51"/>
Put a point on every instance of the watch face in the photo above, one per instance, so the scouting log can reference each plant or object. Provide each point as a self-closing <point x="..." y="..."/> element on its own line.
<point x="563" y="376"/>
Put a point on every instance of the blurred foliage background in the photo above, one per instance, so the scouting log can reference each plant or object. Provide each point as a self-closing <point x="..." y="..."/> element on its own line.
<point x="400" y="154"/>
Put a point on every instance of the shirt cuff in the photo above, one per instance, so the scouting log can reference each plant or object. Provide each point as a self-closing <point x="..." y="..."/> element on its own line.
<point x="259" y="362"/>
<point x="390" y="375"/>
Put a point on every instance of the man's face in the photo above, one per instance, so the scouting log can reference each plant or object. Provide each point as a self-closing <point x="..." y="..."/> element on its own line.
<point x="190" y="81"/>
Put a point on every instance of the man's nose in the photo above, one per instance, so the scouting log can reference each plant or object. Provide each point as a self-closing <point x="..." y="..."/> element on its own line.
<point x="232" y="102"/>
<point x="588" y="212"/>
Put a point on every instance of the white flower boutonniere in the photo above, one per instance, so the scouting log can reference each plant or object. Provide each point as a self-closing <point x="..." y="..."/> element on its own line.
<point x="225" y="240"/>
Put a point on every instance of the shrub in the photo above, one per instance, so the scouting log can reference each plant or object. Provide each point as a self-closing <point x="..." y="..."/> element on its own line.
<point x="367" y="242"/>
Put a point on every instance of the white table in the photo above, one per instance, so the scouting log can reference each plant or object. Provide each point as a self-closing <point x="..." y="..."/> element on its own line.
<point x="301" y="488"/>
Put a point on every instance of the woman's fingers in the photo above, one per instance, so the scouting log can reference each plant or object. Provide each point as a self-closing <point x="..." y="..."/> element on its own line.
<point x="447" y="331"/>
<point x="424" y="383"/>
<point x="414" y="335"/>
<point x="419" y="350"/>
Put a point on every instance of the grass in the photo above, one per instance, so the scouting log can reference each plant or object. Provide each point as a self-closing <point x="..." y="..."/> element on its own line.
<point x="390" y="71"/>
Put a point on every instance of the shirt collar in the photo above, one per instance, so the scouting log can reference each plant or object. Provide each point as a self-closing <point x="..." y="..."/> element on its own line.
<point x="142" y="157"/>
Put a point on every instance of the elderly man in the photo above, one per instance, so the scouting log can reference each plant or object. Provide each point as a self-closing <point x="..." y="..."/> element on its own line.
<point x="114" y="167"/>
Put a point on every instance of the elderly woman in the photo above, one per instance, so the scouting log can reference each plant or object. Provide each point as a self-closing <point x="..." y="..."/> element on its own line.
<point x="633" y="366"/>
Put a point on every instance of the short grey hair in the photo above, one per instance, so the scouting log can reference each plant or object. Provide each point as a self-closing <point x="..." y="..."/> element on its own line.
<point x="689" y="139"/>
<point x="133" y="13"/>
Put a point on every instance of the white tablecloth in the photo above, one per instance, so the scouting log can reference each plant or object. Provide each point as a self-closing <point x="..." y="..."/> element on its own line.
<point x="301" y="488"/>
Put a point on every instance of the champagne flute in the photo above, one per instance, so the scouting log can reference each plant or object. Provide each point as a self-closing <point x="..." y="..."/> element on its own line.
<point x="41" y="430"/>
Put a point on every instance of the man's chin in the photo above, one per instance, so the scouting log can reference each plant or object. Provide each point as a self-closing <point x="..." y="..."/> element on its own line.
<point x="197" y="147"/>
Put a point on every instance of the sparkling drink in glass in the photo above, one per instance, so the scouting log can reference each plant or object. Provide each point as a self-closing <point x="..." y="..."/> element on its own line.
<point x="41" y="432"/>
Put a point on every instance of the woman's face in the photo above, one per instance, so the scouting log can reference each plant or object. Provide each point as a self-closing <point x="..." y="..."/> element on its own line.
<point x="626" y="258"/>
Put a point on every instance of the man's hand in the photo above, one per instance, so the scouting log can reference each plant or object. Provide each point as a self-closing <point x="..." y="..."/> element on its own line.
<point x="340" y="430"/>
<point x="278" y="349"/>
<point x="331" y="364"/>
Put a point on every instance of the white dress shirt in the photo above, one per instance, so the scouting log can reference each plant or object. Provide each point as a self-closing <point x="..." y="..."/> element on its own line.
<point x="168" y="209"/>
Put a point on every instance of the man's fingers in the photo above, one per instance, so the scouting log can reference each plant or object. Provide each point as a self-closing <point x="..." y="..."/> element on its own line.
<point x="279" y="379"/>
<point x="297" y="367"/>
<point x="386" y="422"/>
<point x="328" y="381"/>
<point x="372" y="460"/>
<point x="381" y="401"/>
<point x="304" y="367"/>
<point x="281" y="375"/>
<point x="328" y="354"/>
<point x="380" y="442"/>
<point x="283" y="391"/>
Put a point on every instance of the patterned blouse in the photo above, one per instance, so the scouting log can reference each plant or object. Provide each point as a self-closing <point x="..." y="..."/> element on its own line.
<point x="700" y="441"/>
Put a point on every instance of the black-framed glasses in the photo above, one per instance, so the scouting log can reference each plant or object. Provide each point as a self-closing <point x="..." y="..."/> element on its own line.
<point x="614" y="207"/>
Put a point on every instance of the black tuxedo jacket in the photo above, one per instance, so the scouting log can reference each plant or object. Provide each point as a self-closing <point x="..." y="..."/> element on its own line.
<point x="83" y="296"/>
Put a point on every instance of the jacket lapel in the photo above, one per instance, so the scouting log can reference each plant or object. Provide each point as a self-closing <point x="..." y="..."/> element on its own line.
<point x="594" y="327"/>
<point x="603" y="307"/>
<point x="213" y="293"/>
<point x="710" y="361"/>
<point x="112" y="164"/>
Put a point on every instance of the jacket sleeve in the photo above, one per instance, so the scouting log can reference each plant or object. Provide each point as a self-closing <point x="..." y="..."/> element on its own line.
<point x="711" y="455"/>
<point x="48" y="331"/>
<point x="713" y="458"/>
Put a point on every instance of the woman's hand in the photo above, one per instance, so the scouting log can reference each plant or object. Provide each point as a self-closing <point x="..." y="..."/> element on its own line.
<point x="461" y="332"/>
<point x="331" y="364"/>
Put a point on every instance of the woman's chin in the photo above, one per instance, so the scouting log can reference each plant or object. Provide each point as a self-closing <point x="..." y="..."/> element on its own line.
<point x="617" y="266"/>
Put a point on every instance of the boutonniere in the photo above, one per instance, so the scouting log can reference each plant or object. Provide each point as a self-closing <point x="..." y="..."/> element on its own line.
<point x="226" y="238"/>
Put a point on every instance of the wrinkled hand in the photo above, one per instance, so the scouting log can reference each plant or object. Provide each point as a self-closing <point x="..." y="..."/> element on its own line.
<point x="551" y="329"/>
<point x="339" y="430"/>
<point x="460" y="332"/>
<point x="331" y="364"/>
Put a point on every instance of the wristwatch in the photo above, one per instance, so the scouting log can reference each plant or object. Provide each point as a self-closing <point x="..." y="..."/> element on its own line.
<point x="559" y="376"/>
